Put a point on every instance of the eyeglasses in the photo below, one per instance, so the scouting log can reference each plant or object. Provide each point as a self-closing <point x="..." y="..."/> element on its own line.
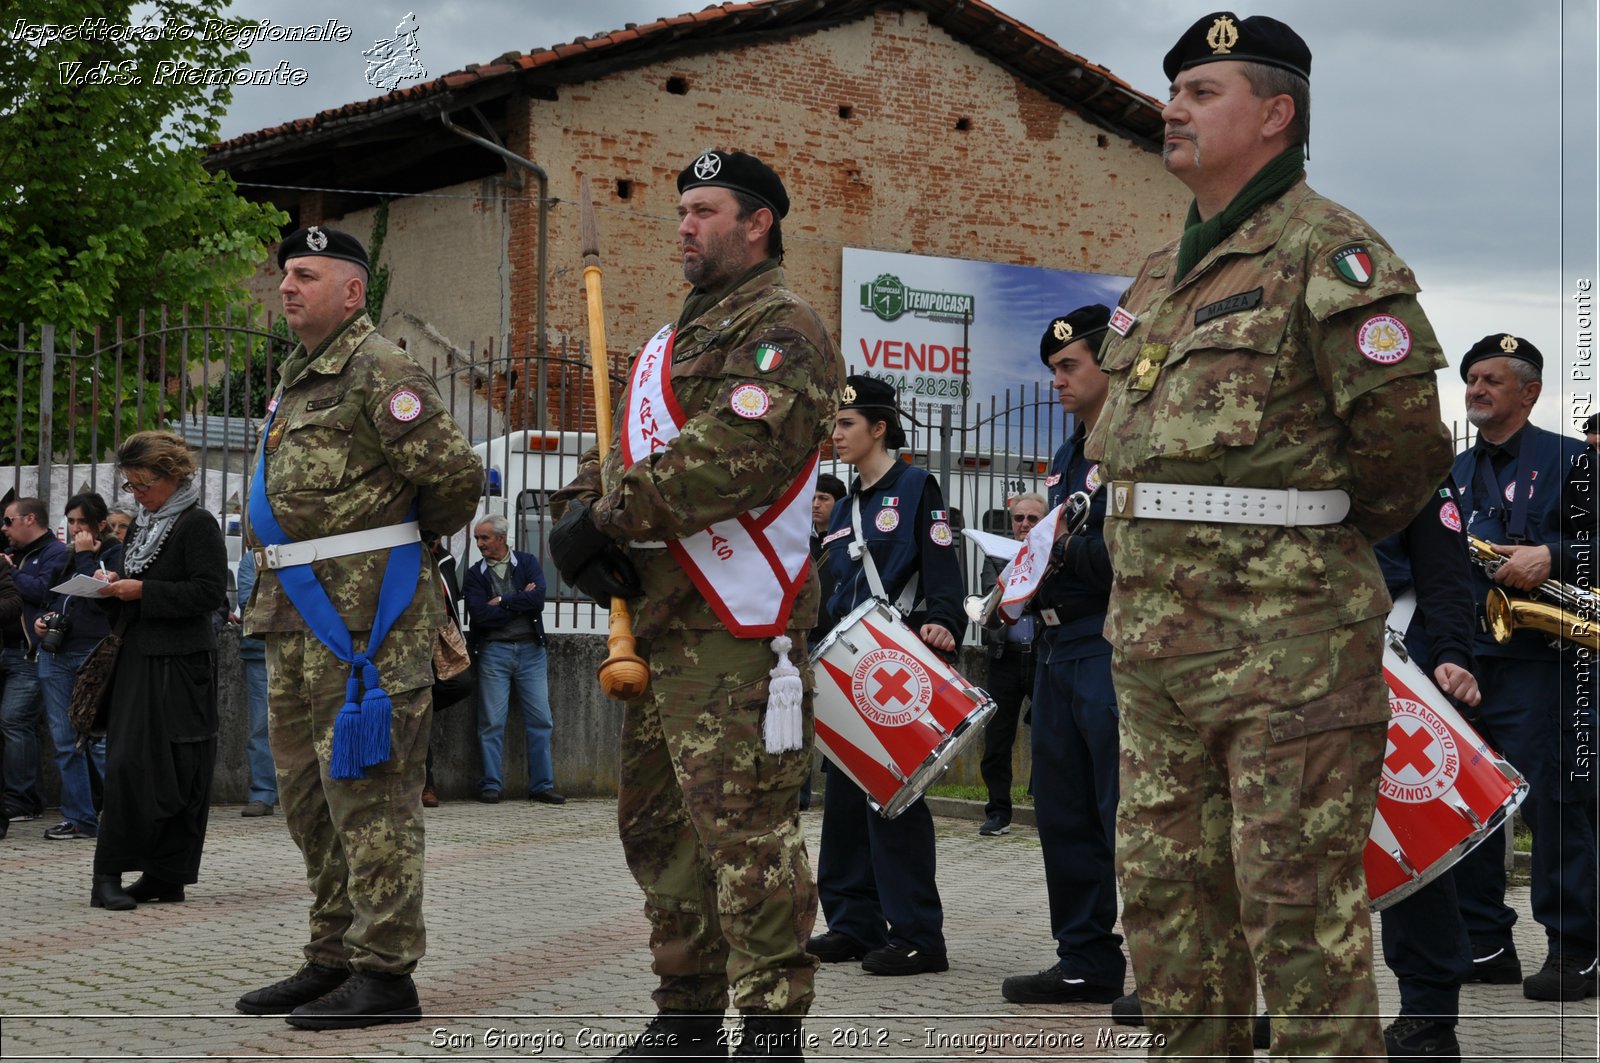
<point x="1025" y="518"/>
<point x="134" y="488"/>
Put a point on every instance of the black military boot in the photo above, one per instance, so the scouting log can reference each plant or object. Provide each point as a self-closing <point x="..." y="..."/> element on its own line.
<point x="679" y="1035"/>
<point x="766" y="1036"/>
<point x="366" y="999"/>
<point x="305" y="985"/>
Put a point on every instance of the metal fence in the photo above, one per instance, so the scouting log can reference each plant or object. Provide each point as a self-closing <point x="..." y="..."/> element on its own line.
<point x="528" y="410"/>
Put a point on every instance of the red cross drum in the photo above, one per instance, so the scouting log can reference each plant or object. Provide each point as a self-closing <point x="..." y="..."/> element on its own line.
<point x="890" y="714"/>
<point x="1443" y="789"/>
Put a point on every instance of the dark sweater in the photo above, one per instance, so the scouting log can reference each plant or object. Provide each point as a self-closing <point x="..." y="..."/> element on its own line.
<point x="185" y="583"/>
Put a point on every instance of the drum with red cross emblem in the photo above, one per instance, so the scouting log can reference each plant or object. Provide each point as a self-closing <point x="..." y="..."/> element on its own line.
<point x="1443" y="789"/>
<point x="889" y="713"/>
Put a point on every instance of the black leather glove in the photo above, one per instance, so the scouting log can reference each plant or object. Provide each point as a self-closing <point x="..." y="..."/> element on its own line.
<point x="588" y="560"/>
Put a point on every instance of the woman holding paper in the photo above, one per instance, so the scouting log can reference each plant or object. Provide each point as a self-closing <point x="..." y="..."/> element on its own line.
<point x="162" y="732"/>
<point x="63" y="646"/>
<point x="875" y="876"/>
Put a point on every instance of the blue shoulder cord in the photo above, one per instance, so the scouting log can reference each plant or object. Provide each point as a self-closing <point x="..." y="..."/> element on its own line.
<point x="361" y="731"/>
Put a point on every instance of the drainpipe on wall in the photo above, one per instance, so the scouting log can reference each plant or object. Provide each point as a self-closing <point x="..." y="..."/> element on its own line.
<point x="544" y="239"/>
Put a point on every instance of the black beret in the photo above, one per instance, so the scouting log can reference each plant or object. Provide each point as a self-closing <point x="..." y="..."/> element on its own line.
<point x="739" y="172"/>
<point x="322" y="242"/>
<point x="1502" y="345"/>
<point x="1592" y="425"/>
<point x="1085" y="323"/>
<point x="1224" y="35"/>
<point x="878" y="396"/>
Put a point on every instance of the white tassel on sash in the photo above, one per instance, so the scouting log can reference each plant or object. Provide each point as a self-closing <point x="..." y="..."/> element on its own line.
<point x="785" y="724"/>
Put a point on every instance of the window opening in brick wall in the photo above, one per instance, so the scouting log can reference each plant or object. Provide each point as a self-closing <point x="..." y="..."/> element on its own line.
<point x="963" y="124"/>
<point x="846" y="111"/>
<point x="624" y="188"/>
<point x="678" y="86"/>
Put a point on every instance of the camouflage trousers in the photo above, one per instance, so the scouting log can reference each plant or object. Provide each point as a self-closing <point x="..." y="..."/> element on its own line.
<point x="361" y="839"/>
<point x="1249" y="780"/>
<point x="710" y="825"/>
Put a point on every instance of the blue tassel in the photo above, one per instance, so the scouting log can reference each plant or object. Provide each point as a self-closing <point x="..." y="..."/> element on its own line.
<point x="377" y="714"/>
<point x="346" y="761"/>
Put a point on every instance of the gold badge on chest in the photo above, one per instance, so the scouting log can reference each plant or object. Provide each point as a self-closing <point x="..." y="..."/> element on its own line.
<point x="1148" y="368"/>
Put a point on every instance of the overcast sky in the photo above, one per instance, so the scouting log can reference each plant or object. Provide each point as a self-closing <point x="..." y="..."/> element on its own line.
<point x="1464" y="130"/>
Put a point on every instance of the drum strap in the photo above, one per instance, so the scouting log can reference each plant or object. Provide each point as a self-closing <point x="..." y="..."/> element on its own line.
<point x="858" y="550"/>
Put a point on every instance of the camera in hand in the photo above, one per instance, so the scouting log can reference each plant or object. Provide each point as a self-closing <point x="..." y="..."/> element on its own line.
<point x="56" y="628"/>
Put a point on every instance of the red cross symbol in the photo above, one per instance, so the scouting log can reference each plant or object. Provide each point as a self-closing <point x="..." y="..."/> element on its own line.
<point x="1410" y="748"/>
<point x="893" y="686"/>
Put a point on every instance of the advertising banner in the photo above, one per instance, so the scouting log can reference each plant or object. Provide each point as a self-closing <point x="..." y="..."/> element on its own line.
<point x="946" y="331"/>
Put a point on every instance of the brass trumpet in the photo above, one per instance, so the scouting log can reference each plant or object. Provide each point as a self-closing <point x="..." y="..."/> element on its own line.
<point x="1558" y="609"/>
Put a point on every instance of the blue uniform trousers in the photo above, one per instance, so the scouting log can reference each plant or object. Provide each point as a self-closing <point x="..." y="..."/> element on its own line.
<point x="1425" y="945"/>
<point x="1527" y="716"/>
<point x="1075" y="763"/>
<point x="873" y="871"/>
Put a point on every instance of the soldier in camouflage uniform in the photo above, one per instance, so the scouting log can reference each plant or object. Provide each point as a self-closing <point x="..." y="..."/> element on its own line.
<point x="1278" y="346"/>
<point x="709" y="817"/>
<point x="358" y="440"/>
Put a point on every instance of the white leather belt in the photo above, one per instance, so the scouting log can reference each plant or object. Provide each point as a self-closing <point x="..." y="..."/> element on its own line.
<point x="1285" y="508"/>
<point x="286" y="555"/>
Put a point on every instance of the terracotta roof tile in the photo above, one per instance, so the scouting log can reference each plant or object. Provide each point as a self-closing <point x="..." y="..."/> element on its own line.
<point x="708" y="24"/>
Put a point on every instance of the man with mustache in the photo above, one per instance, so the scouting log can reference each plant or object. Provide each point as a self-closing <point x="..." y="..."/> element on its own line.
<point x="1530" y="492"/>
<point x="700" y="515"/>
<point x="1272" y="412"/>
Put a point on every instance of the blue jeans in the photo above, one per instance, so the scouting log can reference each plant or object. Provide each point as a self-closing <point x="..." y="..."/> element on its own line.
<point x="19" y="725"/>
<point x="505" y="668"/>
<point x="57" y="673"/>
<point x="257" y="750"/>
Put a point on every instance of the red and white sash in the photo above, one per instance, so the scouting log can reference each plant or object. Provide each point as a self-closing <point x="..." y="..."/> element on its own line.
<point x="750" y="568"/>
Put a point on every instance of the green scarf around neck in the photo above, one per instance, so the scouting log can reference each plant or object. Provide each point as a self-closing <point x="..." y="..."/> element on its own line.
<point x="1270" y="182"/>
<point x="700" y="299"/>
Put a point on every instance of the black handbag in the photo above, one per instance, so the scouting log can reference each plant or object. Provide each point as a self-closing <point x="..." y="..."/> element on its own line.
<point x="91" y="690"/>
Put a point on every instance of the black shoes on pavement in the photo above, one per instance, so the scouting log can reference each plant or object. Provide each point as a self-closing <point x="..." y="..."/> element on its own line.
<point x="366" y="999"/>
<point x="1411" y="1037"/>
<point x="896" y="958"/>
<point x="335" y="998"/>
<point x="547" y="797"/>
<point x="836" y="947"/>
<point x="1561" y="978"/>
<point x="305" y="985"/>
<point x="108" y="893"/>
<point x="148" y="888"/>
<point x="1056" y="986"/>
<point x="994" y="827"/>
<point x="1496" y="965"/>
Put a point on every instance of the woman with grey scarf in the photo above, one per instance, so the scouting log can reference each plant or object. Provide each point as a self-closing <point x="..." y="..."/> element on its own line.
<point x="161" y="736"/>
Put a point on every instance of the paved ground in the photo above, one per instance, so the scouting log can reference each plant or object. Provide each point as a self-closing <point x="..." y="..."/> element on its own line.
<point x="537" y="950"/>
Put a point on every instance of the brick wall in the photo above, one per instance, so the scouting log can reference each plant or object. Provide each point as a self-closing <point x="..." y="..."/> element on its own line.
<point x="861" y="120"/>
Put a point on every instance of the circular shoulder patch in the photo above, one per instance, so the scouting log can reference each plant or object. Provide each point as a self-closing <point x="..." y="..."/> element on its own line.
<point x="1091" y="482"/>
<point x="1450" y="516"/>
<point x="887" y="520"/>
<point x="405" y="405"/>
<point x="1384" y="338"/>
<point x="939" y="532"/>
<point x="750" y="401"/>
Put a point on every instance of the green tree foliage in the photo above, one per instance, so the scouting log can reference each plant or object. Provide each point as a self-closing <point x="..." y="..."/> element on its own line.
<point x="104" y="205"/>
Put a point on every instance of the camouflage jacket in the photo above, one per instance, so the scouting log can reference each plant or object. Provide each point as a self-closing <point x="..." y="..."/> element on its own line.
<point x="722" y="463"/>
<point x="1294" y="354"/>
<point x="359" y="437"/>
